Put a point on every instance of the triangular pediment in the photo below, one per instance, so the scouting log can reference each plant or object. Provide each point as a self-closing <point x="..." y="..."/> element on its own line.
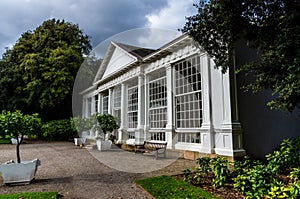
<point x="115" y="59"/>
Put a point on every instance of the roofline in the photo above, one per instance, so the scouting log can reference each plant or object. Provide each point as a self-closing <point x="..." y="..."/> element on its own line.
<point x="162" y="50"/>
<point x="88" y="89"/>
<point x="159" y="52"/>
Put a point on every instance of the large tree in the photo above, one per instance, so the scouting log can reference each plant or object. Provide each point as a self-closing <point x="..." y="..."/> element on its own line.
<point x="270" y="26"/>
<point x="38" y="73"/>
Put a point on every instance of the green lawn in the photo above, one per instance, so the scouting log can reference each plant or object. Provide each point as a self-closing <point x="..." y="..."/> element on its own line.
<point x="162" y="187"/>
<point x="30" y="195"/>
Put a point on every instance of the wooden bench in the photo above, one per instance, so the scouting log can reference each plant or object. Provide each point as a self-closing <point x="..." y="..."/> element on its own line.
<point x="154" y="145"/>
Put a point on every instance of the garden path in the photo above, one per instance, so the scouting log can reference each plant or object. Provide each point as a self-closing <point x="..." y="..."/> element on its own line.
<point x="80" y="173"/>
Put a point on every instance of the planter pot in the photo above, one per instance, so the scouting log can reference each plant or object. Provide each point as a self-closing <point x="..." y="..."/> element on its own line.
<point x="103" y="145"/>
<point x="79" y="141"/>
<point x="19" y="173"/>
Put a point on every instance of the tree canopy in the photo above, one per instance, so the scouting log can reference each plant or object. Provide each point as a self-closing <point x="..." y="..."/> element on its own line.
<point x="38" y="73"/>
<point x="270" y="26"/>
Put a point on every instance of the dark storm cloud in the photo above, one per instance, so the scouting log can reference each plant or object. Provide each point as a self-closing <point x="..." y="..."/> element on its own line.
<point x="97" y="18"/>
<point x="100" y="19"/>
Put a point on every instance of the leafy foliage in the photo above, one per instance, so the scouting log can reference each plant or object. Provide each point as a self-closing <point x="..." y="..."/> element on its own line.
<point x="107" y="122"/>
<point x="271" y="26"/>
<point x="38" y="73"/>
<point x="58" y="130"/>
<point x="221" y="171"/>
<point x="84" y="124"/>
<point x="251" y="177"/>
<point x="285" y="157"/>
<point x="254" y="182"/>
<point x="17" y="125"/>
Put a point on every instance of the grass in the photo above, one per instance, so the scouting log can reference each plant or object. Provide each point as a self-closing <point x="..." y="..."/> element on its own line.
<point x="30" y="195"/>
<point x="162" y="187"/>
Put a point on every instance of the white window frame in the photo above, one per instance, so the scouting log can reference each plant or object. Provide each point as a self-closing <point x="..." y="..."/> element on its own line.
<point x="188" y="93"/>
<point x="158" y="103"/>
<point x="132" y="112"/>
<point x="105" y="98"/>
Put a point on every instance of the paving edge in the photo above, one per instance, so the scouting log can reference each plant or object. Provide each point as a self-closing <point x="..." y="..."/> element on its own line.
<point x="147" y="193"/>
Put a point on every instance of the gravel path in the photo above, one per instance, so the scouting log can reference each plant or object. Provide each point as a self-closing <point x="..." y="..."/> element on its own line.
<point x="81" y="173"/>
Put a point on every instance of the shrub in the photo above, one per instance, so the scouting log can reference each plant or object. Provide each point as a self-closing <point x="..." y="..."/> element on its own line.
<point x="198" y="174"/>
<point x="80" y="124"/>
<point x="58" y="130"/>
<point x="255" y="182"/>
<point x="240" y="166"/>
<point x="281" y="159"/>
<point x="291" y="191"/>
<point x="220" y="169"/>
<point x="204" y="164"/>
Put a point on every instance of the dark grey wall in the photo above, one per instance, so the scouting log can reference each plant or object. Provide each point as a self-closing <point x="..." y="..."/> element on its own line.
<point x="263" y="129"/>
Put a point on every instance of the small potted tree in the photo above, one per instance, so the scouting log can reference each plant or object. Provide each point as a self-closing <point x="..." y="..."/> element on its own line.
<point x="81" y="126"/>
<point x="17" y="126"/>
<point x="107" y="123"/>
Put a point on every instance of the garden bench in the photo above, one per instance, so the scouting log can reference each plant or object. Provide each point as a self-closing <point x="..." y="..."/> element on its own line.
<point x="160" y="147"/>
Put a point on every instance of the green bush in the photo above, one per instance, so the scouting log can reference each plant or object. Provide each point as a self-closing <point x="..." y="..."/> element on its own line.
<point x="198" y="174"/>
<point x="204" y="164"/>
<point x="253" y="178"/>
<point x="58" y="130"/>
<point x="239" y="166"/>
<point x="254" y="182"/>
<point x="291" y="190"/>
<point x="220" y="168"/>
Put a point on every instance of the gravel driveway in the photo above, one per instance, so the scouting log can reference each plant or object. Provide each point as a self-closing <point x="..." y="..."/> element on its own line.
<point x="81" y="173"/>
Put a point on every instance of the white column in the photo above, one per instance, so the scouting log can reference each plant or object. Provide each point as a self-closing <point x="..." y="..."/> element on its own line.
<point x="99" y="104"/>
<point x="83" y="107"/>
<point x="110" y="101"/>
<point x="86" y="107"/>
<point x="207" y="137"/>
<point x="139" y="132"/>
<point x="146" y="107"/>
<point x="170" y="108"/>
<point x="123" y="126"/>
<point x="93" y="105"/>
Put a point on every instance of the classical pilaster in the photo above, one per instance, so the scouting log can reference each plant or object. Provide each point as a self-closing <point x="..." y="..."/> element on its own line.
<point x="207" y="136"/>
<point x="229" y="140"/>
<point x="170" y="133"/>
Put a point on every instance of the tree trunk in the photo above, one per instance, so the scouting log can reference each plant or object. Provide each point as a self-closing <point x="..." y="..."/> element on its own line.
<point x="18" y="149"/>
<point x="18" y="152"/>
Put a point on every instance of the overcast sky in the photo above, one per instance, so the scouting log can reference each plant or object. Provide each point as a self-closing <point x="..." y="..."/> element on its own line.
<point x="100" y="19"/>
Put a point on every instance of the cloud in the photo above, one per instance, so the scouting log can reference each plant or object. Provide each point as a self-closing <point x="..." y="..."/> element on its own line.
<point x="100" y="19"/>
<point x="173" y="15"/>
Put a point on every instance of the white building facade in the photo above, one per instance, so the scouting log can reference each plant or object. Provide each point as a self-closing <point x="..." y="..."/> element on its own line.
<point x="174" y="94"/>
